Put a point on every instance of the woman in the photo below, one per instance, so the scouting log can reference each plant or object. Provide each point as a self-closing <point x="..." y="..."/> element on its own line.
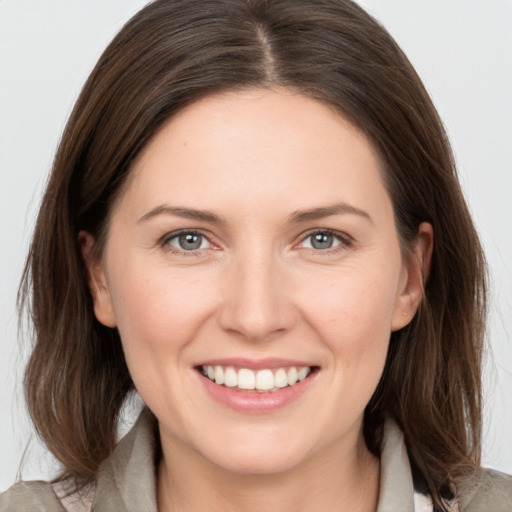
<point x="254" y="220"/>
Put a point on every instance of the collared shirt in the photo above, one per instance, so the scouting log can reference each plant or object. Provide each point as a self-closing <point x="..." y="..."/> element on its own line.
<point x="127" y="482"/>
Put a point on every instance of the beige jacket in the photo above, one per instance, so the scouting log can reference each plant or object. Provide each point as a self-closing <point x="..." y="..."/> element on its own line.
<point x="127" y="482"/>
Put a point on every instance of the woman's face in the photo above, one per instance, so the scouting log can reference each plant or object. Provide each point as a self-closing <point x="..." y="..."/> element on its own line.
<point x="254" y="246"/>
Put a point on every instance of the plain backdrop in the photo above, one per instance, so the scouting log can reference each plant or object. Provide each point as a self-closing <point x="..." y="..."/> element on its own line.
<point x="461" y="48"/>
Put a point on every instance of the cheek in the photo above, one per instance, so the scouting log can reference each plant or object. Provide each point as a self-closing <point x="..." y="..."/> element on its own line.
<point x="352" y="312"/>
<point x="352" y="303"/>
<point x="158" y="316"/>
<point x="158" y="308"/>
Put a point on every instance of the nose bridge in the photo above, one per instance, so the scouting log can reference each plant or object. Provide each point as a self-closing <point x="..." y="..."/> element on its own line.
<point x="256" y="304"/>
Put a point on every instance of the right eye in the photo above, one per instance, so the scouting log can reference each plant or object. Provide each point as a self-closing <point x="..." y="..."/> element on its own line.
<point x="187" y="241"/>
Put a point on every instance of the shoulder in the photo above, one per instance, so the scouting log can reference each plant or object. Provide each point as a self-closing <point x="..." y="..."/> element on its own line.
<point x="46" y="497"/>
<point x="490" y="491"/>
<point x="30" y="497"/>
<point x="127" y="476"/>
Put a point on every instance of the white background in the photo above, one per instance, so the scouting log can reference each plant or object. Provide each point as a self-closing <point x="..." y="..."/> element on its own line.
<point x="461" y="48"/>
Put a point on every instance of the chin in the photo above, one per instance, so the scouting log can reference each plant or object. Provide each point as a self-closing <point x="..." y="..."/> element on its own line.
<point x="248" y="463"/>
<point x="270" y="454"/>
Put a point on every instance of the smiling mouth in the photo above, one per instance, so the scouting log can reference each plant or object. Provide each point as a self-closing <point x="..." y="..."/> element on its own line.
<point x="261" y="381"/>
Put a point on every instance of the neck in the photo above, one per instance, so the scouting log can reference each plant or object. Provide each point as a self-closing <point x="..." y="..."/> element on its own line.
<point x="338" y="479"/>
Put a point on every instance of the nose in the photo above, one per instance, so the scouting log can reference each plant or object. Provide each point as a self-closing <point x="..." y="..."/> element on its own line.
<point x="256" y="304"/>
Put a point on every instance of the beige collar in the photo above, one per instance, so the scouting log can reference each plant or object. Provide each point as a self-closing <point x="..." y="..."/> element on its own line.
<point x="127" y="479"/>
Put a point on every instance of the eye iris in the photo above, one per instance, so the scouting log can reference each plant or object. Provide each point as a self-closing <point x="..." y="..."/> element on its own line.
<point x="322" y="241"/>
<point x="190" y="241"/>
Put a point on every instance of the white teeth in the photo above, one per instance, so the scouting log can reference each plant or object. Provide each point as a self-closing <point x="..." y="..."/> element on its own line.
<point x="302" y="373"/>
<point x="291" y="376"/>
<point x="246" y="379"/>
<point x="265" y="380"/>
<point x="230" y="378"/>
<point x="280" y="380"/>
<point x="219" y="375"/>
<point x="261" y="380"/>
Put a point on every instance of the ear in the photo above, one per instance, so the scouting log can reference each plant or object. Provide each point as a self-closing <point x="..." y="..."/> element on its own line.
<point x="414" y="276"/>
<point x="103" y="308"/>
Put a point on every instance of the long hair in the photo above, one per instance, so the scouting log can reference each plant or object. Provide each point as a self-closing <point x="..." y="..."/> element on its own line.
<point x="169" y="55"/>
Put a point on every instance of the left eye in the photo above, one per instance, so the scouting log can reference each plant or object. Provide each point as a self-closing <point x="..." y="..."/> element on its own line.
<point x="322" y="240"/>
<point x="188" y="241"/>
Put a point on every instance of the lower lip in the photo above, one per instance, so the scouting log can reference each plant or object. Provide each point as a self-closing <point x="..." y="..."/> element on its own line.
<point x="253" y="401"/>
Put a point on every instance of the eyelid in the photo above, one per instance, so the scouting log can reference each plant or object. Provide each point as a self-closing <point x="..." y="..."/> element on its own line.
<point x="346" y="240"/>
<point x="164" y="241"/>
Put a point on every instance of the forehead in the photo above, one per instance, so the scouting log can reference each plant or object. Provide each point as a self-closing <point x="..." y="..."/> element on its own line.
<point x="259" y="144"/>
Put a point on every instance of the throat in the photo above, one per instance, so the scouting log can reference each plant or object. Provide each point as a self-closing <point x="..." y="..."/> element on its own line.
<point x="308" y="488"/>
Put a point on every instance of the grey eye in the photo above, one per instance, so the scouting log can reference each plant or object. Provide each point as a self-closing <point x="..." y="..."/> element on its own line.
<point x="189" y="241"/>
<point x="322" y="240"/>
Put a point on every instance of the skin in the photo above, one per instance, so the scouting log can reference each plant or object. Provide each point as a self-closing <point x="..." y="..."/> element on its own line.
<point x="258" y="288"/>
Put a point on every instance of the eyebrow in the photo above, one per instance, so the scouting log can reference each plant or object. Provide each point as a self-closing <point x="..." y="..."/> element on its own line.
<point x="295" y="218"/>
<point x="186" y="213"/>
<point x="326" y="211"/>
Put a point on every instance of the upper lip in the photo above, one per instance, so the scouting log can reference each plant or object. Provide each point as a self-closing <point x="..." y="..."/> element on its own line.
<point x="255" y="364"/>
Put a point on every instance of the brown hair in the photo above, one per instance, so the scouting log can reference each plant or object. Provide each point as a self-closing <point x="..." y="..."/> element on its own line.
<point x="169" y="55"/>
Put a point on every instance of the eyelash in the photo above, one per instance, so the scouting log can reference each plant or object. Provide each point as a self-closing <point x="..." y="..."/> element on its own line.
<point x="166" y="239"/>
<point x="345" y="241"/>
